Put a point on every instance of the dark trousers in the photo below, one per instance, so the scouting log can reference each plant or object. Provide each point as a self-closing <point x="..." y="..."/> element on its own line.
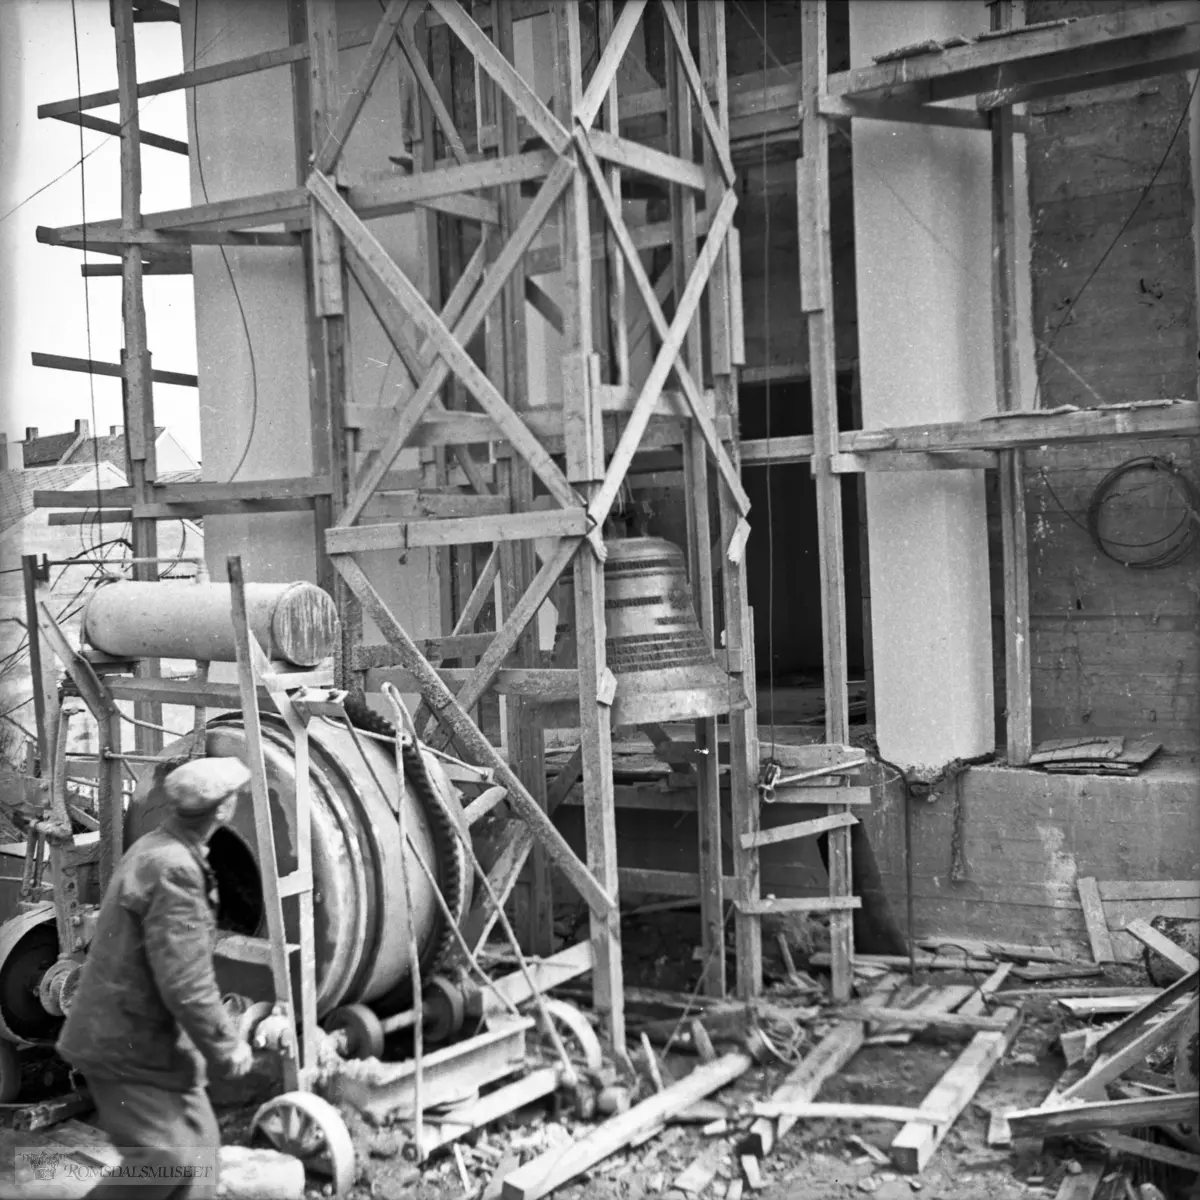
<point x="162" y="1135"/>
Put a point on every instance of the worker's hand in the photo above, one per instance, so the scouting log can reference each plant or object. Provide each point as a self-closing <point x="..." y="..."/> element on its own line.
<point x="240" y="1061"/>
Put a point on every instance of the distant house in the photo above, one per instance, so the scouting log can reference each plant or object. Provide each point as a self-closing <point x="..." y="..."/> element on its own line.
<point x="66" y="449"/>
<point x="83" y="553"/>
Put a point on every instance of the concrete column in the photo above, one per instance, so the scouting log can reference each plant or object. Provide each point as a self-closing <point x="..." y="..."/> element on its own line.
<point x="923" y="251"/>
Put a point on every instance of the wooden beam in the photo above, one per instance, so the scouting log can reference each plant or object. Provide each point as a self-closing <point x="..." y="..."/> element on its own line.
<point x="916" y="1143"/>
<point x="826" y="1058"/>
<point x="458" y="531"/>
<point x="634" y="156"/>
<point x="610" y="61"/>
<point x="1093" y="917"/>
<point x="801" y="829"/>
<point x="1064" y="50"/>
<point x="113" y="129"/>
<point x="1153" y="940"/>
<point x="1104" y="1115"/>
<point x="62" y="362"/>
<point x="794" y="904"/>
<point x="1167" y="418"/>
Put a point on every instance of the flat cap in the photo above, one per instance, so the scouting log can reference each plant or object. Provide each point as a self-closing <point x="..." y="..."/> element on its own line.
<point x="197" y="787"/>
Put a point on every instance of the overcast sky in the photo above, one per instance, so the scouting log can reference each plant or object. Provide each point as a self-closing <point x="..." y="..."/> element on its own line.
<point x="41" y="289"/>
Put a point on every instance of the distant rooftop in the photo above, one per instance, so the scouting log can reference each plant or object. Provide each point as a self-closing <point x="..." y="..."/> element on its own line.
<point x="60" y="449"/>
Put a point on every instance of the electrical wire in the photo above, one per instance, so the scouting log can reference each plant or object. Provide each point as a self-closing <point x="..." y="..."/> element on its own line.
<point x="237" y="296"/>
<point x="87" y="302"/>
<point x="1162" y="162"/>
<point x="1171" y="554"/>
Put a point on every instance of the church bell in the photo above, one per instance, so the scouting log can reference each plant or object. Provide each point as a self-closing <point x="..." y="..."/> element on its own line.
<point x="663" y="663"/>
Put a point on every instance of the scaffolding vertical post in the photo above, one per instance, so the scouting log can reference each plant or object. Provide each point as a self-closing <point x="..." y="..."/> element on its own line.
<point x="738" y="636"/>
<point x="585" y="467"/>
<point x="816" y="301"/>
<point x="137" y="388"/>
<point x="1014" y="533"/>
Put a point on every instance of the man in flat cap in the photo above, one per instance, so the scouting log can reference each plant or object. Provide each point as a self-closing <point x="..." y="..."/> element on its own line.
<point x="147" y="1015"/>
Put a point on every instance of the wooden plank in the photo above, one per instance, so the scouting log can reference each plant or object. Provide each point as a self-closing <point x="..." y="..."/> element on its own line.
<point x="917" y="1018"/>
<point x="452" y="351"/>
<point x="64" y="362"/>
<point x="964" y="70"/>
<point x="457" y="531"/>
<point x="801" y="829"/>
<point x="1141" y="1148"/>
<point x="1093" y="916"/>
<point x="547" y="973"/>
<point x="825" y="1111"/>
<point x="1150" y="937"/>
<point x="1112" y="1064"/>
<point x="793" y="904"/>
<point x="442" y="700"/>
<point x="634" y="156"/>
<point x="1150" y="889"/>
<point x="1082" y="1186"/>
<point x="827" y="1058"/>
<point x="551" y="1170"/>
<point x="977" y="1002"/>
<point x="1174" y="418"/>
<point x="1095" y="1006"/>
<point x="1104" y="1115"/>
<point x="915" y="1144"/>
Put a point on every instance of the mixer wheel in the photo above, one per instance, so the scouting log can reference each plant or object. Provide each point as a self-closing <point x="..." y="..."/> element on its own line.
<point x="443" y="1008"/>
<point x="577" y="1025"/>
<point x="361" y="1028"/>
<point x="312" y="1130"/>
<point x="10" y="1073"/>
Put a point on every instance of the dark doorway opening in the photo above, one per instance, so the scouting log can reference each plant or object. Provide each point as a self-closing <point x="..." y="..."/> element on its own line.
<point x="782" y="557"/>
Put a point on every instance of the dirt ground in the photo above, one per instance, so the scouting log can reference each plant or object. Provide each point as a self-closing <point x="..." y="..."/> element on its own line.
<point x="817" y="1160"/>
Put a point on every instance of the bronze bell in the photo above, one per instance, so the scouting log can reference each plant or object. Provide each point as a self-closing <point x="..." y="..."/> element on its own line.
<point x="664" y="666"/>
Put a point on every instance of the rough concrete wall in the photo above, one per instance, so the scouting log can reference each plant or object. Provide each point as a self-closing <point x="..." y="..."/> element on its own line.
<point x="1114" y="650"/>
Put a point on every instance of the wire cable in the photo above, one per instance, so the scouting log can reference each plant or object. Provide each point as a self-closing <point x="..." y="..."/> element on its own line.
<point x="237" y="296"/>
<point x="87" y="302"/>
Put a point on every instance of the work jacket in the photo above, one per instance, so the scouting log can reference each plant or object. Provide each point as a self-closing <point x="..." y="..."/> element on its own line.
<point x="147" y="999"/>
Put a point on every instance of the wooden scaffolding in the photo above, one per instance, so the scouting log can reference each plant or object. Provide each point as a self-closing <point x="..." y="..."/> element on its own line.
<point x="577" y="153"/>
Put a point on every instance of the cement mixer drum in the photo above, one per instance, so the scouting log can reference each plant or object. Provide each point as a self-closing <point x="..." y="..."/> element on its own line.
<point x="358" y="867"/>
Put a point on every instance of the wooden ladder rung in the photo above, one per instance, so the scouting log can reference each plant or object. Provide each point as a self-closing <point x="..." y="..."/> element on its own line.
<point x="786" y="904"/>
<point x="295" y="884"/>
<point x="237" y="947"/>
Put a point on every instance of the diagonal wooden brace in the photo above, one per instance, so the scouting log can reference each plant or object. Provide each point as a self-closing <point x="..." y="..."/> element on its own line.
<point x="364" y="79"/>
<point x="442" y="701"/>
<point x="665" y="361"/>
<point x="650" y="299"/>
<point x="377" y="259"/>
<point x="510" y="81"/>
<point x="610" y="62"/>
<point x="505" y="641"/>
<point x="408" y="415"/>
<point x="718" y="140"/>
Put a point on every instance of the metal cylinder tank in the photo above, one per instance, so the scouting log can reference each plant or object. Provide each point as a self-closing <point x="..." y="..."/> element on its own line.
<point x="358" y="868"/>
<point x="294" y="622"/>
